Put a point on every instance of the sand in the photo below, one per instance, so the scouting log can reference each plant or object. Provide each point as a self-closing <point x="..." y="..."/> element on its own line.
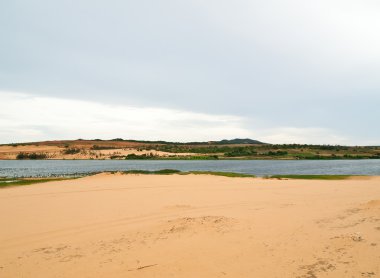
<point x="56" y="152"/>
<point x="190" y="226"/>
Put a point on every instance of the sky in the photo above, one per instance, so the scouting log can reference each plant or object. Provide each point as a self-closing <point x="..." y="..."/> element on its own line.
<point x="279" y="71"/>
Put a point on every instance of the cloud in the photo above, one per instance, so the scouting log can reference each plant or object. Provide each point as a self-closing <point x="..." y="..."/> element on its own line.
<point x="26" y="117"/>
<point x="309" y="135"/>
<point x="31" y="118"/>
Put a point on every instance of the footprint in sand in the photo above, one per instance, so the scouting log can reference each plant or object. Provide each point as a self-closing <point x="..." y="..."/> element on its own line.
<point x="63" y="253"/>
<point x="373" y="204"/>
<point x="197" y="224"/>
<point x="312" y="270"/>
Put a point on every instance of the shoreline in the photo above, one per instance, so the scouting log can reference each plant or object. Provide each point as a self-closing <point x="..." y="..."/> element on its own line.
<point x="201" y="159"/>
<point x="53" y="177"/>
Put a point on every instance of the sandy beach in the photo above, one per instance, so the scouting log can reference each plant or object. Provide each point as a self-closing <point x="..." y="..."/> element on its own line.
<point x="114" y="225"/>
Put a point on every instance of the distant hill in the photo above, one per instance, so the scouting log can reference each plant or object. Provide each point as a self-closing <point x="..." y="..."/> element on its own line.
<point x="132" y="142"/>
<point x="237" y="141"/>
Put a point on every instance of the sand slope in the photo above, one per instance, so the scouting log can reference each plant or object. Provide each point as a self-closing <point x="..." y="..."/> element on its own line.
<point x="57" y="152"/>
<point x="190" y="226"/>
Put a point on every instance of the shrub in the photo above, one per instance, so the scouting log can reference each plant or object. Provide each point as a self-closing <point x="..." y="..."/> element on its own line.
<point x="31" y="156"/>
<point x="71" y="151"/>
<point x="97" y="147"/>
<point x="143" y="156"/>
<point x="22" y="156"/>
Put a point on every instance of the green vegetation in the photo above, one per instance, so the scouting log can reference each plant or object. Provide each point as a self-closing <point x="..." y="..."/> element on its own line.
<point x="172" y="171"/>
<point x="240" y="151"/>
<point x="268" y="151"/>
<point x="158" y="172"/>
<point x="23" y="155"/>
<point x="142" y="156"/>
<point x="6" y="182"/>
<point x="224" y="174"/>
<point x="311" y="177"/>
<point x="156" y="157"/>
<point x="191" y="157"/>
<point x="263" y="151"/>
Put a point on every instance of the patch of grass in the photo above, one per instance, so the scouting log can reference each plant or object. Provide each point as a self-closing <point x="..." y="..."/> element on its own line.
<point x="311" y="177"/>
<point x="172" y="171"/>
<point x="194" y="157"/>
<point x="158" y="172"/>
<point x="7" y="182"/>
<point x="224" y="174"/>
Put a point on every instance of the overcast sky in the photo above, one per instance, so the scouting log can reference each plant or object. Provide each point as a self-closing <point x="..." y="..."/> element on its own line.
<point x="279" y="71"/>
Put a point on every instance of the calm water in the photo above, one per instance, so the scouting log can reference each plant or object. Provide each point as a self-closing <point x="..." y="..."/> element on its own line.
<point x="32" y="168"/>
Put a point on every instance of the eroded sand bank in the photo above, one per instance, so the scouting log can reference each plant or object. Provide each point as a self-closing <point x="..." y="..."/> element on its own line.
<point x="190" y="226"/>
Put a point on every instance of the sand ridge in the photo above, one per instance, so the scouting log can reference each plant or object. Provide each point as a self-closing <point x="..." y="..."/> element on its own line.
<point x="113" y="225"/>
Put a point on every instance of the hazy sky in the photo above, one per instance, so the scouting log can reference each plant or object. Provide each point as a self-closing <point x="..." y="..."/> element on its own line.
<point x="280" y="71"/>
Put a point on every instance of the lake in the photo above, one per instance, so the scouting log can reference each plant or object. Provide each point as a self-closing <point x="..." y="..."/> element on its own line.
<point x="35" y="168"/>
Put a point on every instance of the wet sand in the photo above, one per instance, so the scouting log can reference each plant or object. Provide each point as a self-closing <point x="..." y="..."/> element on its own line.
<point x="113" y="225"/>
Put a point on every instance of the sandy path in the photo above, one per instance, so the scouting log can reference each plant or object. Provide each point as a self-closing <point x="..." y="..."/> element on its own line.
<point x="190" y="226"/>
